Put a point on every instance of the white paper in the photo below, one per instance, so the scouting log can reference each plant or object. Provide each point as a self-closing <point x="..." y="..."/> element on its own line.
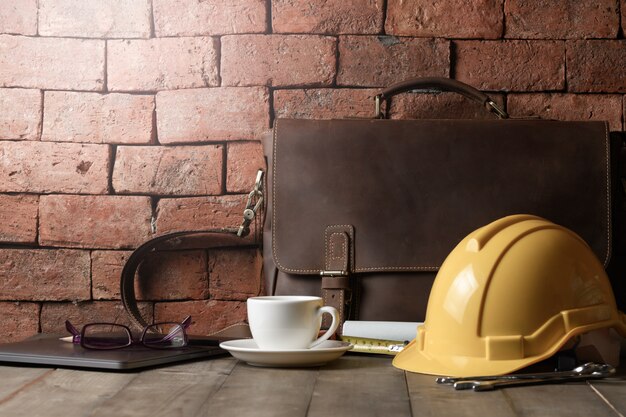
<point x="385" y="330"/>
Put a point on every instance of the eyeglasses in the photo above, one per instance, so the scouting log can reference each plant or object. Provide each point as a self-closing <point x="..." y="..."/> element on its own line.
<point x="107" y="336"/>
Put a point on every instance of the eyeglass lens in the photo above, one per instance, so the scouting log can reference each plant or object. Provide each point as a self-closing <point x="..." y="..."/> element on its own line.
<point x="114" y="336"/>
<point x="164" y="336"/>
<point x="105" y="336"/>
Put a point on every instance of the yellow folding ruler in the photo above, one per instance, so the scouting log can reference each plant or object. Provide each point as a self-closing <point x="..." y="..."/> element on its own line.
<point x="378" y="346"/>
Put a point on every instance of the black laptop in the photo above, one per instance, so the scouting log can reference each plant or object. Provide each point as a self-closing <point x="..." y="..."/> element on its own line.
<point x="49" y="350"/>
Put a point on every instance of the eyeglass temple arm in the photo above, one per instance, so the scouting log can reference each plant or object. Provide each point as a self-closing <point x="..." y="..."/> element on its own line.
<point x="73" y="331"/>
<point x="184" y="324"/>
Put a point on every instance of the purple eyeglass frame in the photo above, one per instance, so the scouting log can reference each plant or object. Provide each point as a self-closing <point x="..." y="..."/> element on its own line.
<point x="78" y="337"/>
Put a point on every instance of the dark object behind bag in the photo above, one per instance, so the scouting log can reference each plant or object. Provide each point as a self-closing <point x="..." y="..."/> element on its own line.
<point x="374" y="206"/>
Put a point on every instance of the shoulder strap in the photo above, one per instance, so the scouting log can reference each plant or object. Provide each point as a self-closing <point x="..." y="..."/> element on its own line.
<point x="170" y="241"/>
<point x="189" y="239"/>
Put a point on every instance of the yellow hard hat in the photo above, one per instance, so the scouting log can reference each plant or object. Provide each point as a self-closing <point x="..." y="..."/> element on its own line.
<point x="511" y="294"/>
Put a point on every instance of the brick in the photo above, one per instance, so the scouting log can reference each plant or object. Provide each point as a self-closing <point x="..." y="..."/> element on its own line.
<point x="495" y="65"/>
<point x="98" y="118"/>
<point x="596" y="66"/>
<point x="175" y="214"/>
<point x="18" y="218"/>
<point x="53" y="167"/>
<point x="106" y="270"/>
<point x="43" y="274"/>
<point x="328" y="17"/>
<point x="440" y="106"/>
<point x="207" y="114"/>
<point x="244" y="159"/>
<point x="51" y="63"/>
<point x="569" y="107"/>
<point x="20" y="113"/>
<point x="206" y="316"/>
<point x="278" y="60"/>
<point x="19" y="321"/>
<point x="18" y="17"/>
<point x="235" y="274"/>
<point x="561" y="19"/>
<point x="174" y="276"/>
<point x="162" y="64"/>
<point x="208" y="17"/>
<point x="324" y="103"/>
<point x="53" y="315"/>
<point x="95" y="18"/>
<point x="379" y="61"/>
<point x="176" y="170"/>
<point x="107" y="222"/>
<point x="480" y="19"/>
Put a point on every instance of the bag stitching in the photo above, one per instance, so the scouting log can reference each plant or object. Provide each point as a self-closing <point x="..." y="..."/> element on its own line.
<point x="413" y="268"/>
<point x="275" y="225"/>
<point x="343" y="228"/>
<point x="344" y="249"/>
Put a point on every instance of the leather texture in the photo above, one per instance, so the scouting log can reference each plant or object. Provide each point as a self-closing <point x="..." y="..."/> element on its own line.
<point x="412" y="189"/>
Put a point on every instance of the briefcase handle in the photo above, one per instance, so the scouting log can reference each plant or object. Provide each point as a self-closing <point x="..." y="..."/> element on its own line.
<point x="441" y="84"/>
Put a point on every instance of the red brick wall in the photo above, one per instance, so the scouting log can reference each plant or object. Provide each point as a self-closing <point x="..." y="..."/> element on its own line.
<point x="120" y="119"/>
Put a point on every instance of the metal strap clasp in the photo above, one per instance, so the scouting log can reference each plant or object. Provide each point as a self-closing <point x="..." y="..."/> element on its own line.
<point x="337" y="281"/>
<point x="378" y="112"/>
<point x="494" y="108"/>
<point x="334" y="273"/>
<point x="255" y="201"/>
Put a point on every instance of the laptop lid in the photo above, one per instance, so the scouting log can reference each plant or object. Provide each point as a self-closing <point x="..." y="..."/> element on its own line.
<point x="51" y="351"/>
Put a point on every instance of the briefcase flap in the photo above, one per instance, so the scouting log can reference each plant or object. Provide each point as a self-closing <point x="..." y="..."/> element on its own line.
<point x="412" y="189"/>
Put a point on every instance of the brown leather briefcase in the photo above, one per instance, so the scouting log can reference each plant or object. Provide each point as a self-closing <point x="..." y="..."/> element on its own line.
<point x="363" y="212"/>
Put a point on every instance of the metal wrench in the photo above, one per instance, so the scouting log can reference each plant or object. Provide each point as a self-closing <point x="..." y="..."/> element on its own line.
<point x="585" y="369"/>
<point x="501" y="383"/>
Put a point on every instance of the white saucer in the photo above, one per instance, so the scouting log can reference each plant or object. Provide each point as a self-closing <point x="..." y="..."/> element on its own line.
<point x="248" y="351"/>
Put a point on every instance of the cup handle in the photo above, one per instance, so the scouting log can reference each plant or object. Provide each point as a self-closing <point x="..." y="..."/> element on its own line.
<point x="333" y="326"/>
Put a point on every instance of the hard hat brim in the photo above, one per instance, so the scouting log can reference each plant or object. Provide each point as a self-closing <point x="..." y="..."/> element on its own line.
<point x="413" y="359"/>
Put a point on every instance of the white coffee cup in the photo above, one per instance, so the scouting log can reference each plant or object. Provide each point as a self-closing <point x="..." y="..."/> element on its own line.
<point x="289" y="322"/>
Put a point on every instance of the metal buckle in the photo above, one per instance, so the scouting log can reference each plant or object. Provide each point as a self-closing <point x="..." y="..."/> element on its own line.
<point x="497" y="110"/>
<point x="255" y="201"/>
<point x="334" y="273"/>
<point x="348" y="291"/>
<point x="378" y="110"/>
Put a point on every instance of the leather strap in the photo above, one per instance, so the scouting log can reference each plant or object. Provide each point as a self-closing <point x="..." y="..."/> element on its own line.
<point x="439" y="84"/>
<point x="176" y="240"/>
<point x="336" y="290"/>
<point x="189" y="239"/>
<point x="336" y="283"/>
<point x="337" y="255"/>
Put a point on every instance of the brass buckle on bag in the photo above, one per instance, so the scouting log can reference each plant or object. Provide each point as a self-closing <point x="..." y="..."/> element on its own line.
<point x="336" y="293"/>
<point x="339" y="274"/>
<point x="333" y="273"/>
